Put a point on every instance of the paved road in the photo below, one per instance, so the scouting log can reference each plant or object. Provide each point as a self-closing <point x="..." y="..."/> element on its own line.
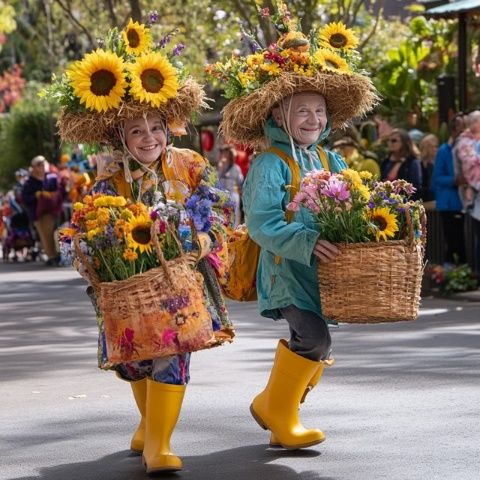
<point x="401" y="402"/>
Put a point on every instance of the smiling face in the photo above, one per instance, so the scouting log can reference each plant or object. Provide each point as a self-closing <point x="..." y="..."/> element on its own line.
<point x="307" y="119"/>
<point x="146" y="138"/>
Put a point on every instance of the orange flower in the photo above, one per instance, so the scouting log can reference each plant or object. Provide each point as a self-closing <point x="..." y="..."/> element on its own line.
<point x="130" y="255"/>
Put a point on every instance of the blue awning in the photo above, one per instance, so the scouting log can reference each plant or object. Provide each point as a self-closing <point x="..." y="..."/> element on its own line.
<point x="453" y="9"/>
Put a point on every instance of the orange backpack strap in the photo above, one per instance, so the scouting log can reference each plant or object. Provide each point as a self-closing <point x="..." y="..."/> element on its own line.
<point x="296" y="176"/>
<point x="323" y="158"/>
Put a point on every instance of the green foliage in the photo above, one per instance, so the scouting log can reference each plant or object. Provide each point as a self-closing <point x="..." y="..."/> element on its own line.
<point x="28" y="130"/>
<point x="459" y="279"/>
<point x="407" y="80"/>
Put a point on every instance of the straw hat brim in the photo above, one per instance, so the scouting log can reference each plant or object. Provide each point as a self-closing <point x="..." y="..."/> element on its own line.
<point x="96" y="127"/>
<point x="346" y="96"/>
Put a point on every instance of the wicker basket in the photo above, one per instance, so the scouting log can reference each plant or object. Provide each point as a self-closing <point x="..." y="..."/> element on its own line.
<point x="155" y="314"/>
<point x="373" y="282"/>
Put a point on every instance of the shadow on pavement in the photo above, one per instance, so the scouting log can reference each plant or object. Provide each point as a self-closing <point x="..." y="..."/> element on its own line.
<point x="243" y="463"/>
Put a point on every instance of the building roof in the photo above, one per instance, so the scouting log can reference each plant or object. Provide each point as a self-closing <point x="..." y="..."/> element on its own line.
<point x="453" y="9"/>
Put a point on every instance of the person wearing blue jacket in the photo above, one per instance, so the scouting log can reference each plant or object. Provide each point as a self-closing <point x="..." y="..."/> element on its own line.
<point x="445" y="183"/>
<point x="285" y="115"/>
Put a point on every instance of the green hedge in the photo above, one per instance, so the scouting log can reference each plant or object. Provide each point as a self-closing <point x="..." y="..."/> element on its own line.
<point x="27" y="130"/>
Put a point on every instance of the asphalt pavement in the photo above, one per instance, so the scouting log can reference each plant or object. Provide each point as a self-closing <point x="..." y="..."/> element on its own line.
<point x="400" y="403"/>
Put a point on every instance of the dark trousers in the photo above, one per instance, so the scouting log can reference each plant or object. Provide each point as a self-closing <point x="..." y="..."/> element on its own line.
<point x="454" y="236"/>
<point x="476" y="231"/>
<point x="309" y="334"/>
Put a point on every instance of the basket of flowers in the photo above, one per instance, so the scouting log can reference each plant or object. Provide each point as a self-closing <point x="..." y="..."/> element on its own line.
<point x="148" y="294"/>
<point x="380" y="233"/>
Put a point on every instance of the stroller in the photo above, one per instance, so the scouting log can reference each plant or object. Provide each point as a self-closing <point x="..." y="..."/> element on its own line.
<point x="19" y="238"/>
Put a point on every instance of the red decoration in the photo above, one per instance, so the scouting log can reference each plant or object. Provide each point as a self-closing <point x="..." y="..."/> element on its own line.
<point x="208" y="140"/>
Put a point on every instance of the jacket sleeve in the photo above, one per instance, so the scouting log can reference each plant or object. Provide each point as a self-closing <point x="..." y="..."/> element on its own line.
<point x="265" y="200"/>
<point x="416" y="178"/>
<point x="442" y="176"/>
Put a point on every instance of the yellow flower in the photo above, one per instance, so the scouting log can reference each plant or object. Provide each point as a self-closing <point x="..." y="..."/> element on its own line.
<point x="120" y="228"/>
<point x="130" y="255"/>
<point x="138" y="236"/>
<point x="109" y="201"/>
<point x="385" y="223"/>
<point x="67" y="232"/>
<point x="352" y="175"/>
<point x="271" y="68"/>
<point x="254" y="59"/>
<point x="77" y="206"/>
<point x="365" y="175"/>
<point x="244" y="79"/>
<point x="98" y="80"/>
<point x="91" y="224"/>
<point x="103" y="216"/>
<point x="331" y="62"/>
<point x="337" y="35"/>
<point x="154" y="80"/>
<point x="93" y="233"/>
<point x="137" y="38"/>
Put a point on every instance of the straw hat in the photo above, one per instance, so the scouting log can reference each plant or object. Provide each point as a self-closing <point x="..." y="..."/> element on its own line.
<point x="130" y="77"/>
<point x="324" y="62"/>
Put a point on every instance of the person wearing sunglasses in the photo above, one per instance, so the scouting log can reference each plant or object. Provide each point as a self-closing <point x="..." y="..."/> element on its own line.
<point x="402" y="162"/>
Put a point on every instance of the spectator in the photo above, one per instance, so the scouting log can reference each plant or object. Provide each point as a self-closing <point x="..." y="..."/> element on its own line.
<point x="445" y="184"/>
<point x="401" y="162"/>
<point x="231" y="177"/>
<point x="428" y="147"/>
<point x="43" y="201"/>
<point x="467" y="151"/>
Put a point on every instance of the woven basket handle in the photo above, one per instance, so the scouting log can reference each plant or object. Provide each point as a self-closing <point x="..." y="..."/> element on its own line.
<point x="154" y="235"/>
<point x="92" y="274"/>
<point x="411" y="231"/>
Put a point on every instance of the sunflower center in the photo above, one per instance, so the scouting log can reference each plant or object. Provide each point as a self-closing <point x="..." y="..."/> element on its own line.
<point x="133" y="38"/>
<point x="102" y="82"/>
<point x="141" y="235"/>
<point x="331" y="64"/>
<point x="152" y="80"/>
<point x="380" y="222"/>
<point x="337" y="40"/>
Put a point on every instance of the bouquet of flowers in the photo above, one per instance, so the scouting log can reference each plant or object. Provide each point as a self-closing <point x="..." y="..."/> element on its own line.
<point x="379" y="232"/>
<point x="150" y="299"/>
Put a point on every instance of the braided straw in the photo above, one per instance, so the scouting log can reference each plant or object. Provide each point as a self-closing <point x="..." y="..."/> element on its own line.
<point x="347" y="96"/>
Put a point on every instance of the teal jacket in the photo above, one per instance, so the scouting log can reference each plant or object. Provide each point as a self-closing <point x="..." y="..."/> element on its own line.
<point x="292" y="281"/>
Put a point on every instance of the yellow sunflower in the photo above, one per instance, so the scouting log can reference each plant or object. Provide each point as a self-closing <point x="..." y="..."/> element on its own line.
<point x="98" y="80"/>
<point x="137" y="38"/>
<point x="331" y="62"/>
<point x="385" y="223"/>
<point x="154" y="80"/>
<point x="138" y="236"/>
<point x="337" y="35"/>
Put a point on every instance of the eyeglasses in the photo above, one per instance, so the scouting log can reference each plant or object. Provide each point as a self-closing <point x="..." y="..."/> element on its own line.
<point x="392" y="140"/>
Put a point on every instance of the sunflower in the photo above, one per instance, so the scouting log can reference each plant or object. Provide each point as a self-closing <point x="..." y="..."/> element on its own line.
<point x="137" y="38"/>
<point x="385" y="223"/>
<point x="98" y="80"/>
<point x="154" y="80"/>
<point x="337" y="35"/>
<point x="331" y="62"/>
<point x="138" y="236"/>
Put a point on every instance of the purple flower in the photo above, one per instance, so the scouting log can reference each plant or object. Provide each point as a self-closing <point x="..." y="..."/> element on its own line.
<point x="178" y="48"/>
<point x="153" y="16"/>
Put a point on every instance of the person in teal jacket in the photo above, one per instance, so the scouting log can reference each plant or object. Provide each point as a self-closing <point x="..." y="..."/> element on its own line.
<point x="285" y="100"/>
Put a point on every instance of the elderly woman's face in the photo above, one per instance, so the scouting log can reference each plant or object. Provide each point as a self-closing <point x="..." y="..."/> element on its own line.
<point x="146" y="138"/>
<point x="307" y="119"/>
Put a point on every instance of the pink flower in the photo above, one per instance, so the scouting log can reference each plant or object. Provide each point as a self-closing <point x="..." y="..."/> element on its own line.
<point x="337" y="190"/>
<point x="293" y="206"/>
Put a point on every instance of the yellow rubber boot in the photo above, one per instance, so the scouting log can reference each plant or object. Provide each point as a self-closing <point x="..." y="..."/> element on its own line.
<point x="276" y="408"/>
<point x="274" y="442"/>
<point x="139" y="389"/>
<point x="164" y="402"/>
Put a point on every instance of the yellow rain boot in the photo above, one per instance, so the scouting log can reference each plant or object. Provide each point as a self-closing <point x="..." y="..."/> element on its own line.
<point x="276" y="408"/>
<point x="164" y="402"/>
<point x="139" y="389"/>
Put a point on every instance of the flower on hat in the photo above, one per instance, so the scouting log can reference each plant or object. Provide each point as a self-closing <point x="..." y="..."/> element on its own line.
<point x="137" y="38"/>
<point x="154" y="79"/>
<point x="330" y="50"/>
<point x="337" y="35"/>
<point x="331" y="62"/>
<point x="98" y="80"/>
